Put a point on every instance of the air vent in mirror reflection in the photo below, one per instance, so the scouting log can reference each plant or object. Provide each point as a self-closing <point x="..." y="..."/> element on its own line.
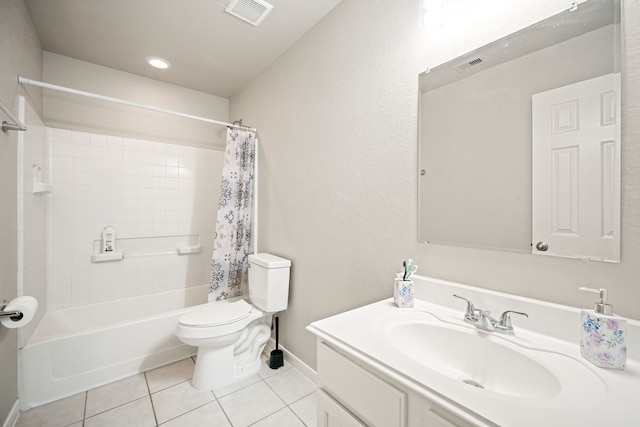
<point x="468" y="64"/>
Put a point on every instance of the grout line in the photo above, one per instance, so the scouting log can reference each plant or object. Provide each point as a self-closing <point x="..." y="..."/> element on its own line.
<point x="84" y="412"/>
<point x="303" y="397"/>
<point x="190" y="410"/>
<point x="167" y="387"/>
<point x="224" y="412"/>
<point x="286" y="405"/>
<point x="267" y="416"/>
<point x="297" y="416"/>
<point x="216" y="399"/>
<point x="153" y="407"/>
<point x="118" y="406"/>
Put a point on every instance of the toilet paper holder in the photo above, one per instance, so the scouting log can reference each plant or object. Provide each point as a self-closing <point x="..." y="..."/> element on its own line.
<point x="14" y="314"/>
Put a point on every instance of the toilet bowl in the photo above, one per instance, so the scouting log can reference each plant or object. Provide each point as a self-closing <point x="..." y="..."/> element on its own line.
<point x="230" y="337"/>
<point x="231" y="334"/>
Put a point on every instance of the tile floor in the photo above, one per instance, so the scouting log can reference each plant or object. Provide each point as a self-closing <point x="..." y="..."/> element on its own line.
<point x="164" y="397"/>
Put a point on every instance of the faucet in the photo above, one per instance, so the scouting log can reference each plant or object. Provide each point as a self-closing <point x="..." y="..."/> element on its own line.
<point x="482" y="319"/>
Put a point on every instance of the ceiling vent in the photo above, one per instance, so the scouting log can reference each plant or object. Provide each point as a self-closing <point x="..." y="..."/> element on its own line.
<point x="251" y="11"/>
<point x="469" y="63"/>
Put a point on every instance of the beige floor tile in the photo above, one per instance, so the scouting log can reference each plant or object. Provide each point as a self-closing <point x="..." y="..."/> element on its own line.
<point x="115" y="394"/>
<point x="291" y="385"/>
<point x="55" y="414"/>
<point x="223" y="391"/>
<point x="210" y="414"/>
<point x="138" y="413"/>
<point x="284" y="417"/>
<point x="266" y="372"/>
<point x="250" y="404"/>
<point x="170" y="375"/>
<point x="177" y="400"/>
<point x="260" y="400"/>
<point x="307" y="409"/>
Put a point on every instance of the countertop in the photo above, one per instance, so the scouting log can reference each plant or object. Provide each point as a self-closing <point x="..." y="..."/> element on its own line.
<point x="590" y="396"/>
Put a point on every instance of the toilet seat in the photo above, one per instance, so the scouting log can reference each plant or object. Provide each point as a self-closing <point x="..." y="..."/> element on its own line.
<point x="216" y="322"/>
<point x="216" y="314"/>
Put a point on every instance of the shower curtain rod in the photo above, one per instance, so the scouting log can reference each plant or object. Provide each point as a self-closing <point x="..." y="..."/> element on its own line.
<point x="16" y="125"/>
<point x="24" y="80"/>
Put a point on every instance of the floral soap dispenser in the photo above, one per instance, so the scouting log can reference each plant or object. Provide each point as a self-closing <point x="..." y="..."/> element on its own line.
<point x="603" y="335"/>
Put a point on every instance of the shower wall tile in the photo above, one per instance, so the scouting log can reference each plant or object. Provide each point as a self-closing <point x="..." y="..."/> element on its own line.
<point x="142" y="189"/>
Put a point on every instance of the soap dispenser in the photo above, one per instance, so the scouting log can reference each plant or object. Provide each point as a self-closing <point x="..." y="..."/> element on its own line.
<point x="603" y="335"/>
<point x="108" y="240"/>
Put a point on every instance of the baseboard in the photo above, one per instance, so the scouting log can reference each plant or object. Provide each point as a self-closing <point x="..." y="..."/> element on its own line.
<point x="293" y="361"/>
<point x="12" y="418"/>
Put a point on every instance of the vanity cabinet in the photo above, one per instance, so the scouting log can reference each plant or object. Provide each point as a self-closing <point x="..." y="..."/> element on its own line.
<point x="332" y="414"/>
<point x="352" y="396"/>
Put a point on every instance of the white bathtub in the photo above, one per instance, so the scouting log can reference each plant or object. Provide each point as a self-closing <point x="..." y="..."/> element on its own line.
<point x="79" y="348"/>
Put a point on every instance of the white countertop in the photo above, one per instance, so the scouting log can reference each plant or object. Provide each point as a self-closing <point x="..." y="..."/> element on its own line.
<point x="589" y="396"/>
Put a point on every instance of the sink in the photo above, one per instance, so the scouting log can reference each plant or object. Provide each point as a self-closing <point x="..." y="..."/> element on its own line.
<point x="474" y="358"/>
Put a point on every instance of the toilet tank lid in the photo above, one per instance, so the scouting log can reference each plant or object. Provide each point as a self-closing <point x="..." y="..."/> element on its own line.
<point x="269" y="260"/>
<point x="216" y="313"/>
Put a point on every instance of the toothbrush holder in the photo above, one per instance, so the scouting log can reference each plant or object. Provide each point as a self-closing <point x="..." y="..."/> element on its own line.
<point x="403" y="293"/>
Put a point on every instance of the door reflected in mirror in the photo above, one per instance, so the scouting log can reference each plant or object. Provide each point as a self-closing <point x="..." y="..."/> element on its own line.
<point x="480" y="186"/>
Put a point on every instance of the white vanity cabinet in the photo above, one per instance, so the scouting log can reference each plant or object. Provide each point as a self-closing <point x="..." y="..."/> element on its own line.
<point x="384" y="366"/>
<point x="352" y="396"/>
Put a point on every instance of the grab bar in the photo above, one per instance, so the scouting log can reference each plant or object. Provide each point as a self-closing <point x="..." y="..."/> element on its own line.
<point x="16" y="125"/>
<point x="119" y="256"/>
<point x="142" y="246"/>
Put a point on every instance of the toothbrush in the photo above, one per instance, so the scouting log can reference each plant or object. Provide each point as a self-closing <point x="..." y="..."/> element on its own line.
<point x="408" y="266"/>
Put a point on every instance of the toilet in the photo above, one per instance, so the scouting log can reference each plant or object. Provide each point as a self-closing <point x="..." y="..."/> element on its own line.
<point x="231" y="334"/>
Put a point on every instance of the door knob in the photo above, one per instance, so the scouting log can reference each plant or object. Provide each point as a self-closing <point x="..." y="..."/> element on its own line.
<point x="542" y="246"/>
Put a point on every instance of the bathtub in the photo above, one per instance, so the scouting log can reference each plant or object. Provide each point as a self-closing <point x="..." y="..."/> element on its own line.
<point x="79" y="348"/>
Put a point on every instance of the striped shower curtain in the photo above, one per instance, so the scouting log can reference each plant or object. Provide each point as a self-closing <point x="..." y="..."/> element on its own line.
<point x="233" y="225"/>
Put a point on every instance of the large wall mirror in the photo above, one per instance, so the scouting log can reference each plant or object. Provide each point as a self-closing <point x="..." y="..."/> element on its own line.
<point x="519" y="141"/>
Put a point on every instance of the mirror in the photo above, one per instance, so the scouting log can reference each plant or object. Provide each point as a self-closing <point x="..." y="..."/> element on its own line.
<point x="479" y="185"/>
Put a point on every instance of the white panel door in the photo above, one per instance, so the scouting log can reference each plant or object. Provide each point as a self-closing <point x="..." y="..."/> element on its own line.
<point x="576" y="170"/>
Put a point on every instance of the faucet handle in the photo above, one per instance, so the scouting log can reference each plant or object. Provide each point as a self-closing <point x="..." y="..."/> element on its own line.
<point x="471" y="314"/>
<point x="504" y="324"/>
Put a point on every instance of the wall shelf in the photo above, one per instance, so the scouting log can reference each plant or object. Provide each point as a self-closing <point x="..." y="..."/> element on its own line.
<point x="107" y="256"/>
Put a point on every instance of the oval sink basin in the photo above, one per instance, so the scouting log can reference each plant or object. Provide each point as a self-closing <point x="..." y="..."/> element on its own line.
<point x="474" y="358"/>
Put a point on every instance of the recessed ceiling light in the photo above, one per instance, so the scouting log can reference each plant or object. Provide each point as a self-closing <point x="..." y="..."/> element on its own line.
<point x="156" y="62"/>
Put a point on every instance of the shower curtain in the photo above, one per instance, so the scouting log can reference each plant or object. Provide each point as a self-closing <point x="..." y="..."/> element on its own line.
<point x="233" y="225"/>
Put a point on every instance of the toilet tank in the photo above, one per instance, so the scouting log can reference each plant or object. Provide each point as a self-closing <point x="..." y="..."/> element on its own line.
<point x="269" y="282"/>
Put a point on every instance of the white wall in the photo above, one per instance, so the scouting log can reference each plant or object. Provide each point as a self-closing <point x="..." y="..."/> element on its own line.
<point x="87" y="114"/>
<point x="21" y="53"/>
<point x="337" y="116"/>
<point x="141" y="188"/>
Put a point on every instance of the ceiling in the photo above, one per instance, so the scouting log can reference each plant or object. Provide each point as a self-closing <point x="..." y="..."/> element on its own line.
<point x="209" y="50"/>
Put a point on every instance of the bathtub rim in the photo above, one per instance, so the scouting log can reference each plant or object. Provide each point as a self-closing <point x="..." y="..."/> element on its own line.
<point x="37" y="339"/>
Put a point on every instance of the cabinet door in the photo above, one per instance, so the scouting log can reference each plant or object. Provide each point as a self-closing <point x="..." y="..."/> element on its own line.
<point x="332" y="414"/>
<point x="437" y="417"/>
<point x="376" y="402"/>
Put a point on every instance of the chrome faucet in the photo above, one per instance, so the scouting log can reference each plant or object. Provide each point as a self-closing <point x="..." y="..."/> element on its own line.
<point x="482" y="319"/>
